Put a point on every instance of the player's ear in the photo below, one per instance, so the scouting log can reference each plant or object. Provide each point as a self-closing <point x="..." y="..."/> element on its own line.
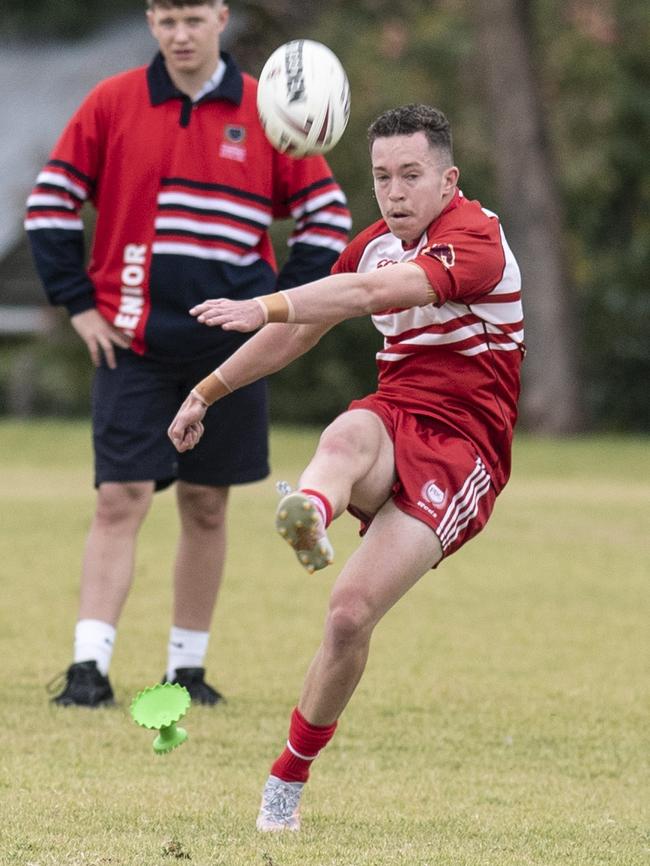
<point x="223" y="11"/>
<point x="450" y="178"/>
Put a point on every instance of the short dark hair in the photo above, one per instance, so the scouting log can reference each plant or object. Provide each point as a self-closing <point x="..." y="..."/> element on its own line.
<point x="409" y="119"/>
<point x="170" y="4"/>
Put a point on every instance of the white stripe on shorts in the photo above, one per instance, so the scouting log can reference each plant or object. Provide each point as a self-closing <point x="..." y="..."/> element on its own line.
<point x="464" y="505"/>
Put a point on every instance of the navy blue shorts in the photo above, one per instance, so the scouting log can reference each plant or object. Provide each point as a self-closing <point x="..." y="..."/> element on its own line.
<point x="133" y="405"/>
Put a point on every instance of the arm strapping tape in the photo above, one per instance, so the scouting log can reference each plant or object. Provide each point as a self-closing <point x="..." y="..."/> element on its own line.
<point x="212" y="388"/>
<point x="276" y="307"/>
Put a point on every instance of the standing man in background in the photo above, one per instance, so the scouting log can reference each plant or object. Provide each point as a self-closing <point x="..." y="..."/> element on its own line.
<point x="185" y="186"/>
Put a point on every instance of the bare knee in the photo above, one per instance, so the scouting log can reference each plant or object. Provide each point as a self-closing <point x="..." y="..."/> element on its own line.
<point x="349" y="623"/>
<point x="348" y="437"/>
<point x="123" y="504"/>
<point x="201" y="507"/>
<point x="354" y="462"/>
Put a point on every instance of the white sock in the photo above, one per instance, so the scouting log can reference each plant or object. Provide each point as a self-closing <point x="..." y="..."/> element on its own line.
<point x="186" y="649"/>
<point x="93" y="641"/>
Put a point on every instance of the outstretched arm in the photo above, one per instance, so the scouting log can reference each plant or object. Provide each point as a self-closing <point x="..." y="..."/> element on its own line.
<point x="267" y="352"/>
<point x="312" y="309"/>
<point x="331" y="299"/>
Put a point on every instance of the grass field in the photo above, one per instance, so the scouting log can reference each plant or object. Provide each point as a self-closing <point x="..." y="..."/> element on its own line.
<point x="503" y="719"/>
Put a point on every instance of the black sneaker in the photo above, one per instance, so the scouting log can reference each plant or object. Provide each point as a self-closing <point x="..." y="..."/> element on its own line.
<point x="85" y="687"/>
<point x="194" y="681"/>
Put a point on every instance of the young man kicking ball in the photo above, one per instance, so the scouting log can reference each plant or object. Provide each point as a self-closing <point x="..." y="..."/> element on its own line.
<point x="421" y="461"/>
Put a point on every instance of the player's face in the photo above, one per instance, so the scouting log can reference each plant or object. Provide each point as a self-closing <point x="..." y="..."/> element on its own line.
<point x="413" y="183"/>
<point x="188" y="36"/>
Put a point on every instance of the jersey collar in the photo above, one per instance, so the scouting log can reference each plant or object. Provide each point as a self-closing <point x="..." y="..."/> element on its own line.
<point x="162" y="88"/>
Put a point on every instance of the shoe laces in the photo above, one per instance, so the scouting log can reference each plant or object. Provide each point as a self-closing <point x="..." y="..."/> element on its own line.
<point x="283" y="488"/>
<point x="77" y="671"/>
<point x="280" y="800"/>
<point x="56" y="683"/>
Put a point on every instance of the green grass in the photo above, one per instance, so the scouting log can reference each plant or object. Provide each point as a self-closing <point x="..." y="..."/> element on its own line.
<point x="502" y="720"/>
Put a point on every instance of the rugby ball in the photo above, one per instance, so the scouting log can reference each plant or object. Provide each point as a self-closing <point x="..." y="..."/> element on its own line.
<point x="303" y="98"/>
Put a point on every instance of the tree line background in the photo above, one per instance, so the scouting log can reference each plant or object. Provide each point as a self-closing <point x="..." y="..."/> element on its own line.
<point x="550" y="105"/>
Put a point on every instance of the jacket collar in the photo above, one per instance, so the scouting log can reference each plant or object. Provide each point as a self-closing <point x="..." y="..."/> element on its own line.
<point x="162" y="88"/>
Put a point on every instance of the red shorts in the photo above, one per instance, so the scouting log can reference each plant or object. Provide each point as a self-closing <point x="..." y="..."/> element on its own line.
<point x="441" y="479"/>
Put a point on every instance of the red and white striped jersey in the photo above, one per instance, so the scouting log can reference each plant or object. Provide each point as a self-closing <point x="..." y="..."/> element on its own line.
<point x="185" y="193"/>
<point x="457" y="360"/>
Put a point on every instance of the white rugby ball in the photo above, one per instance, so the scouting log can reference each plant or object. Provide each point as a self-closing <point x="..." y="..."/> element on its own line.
<point x="303" y="98"/>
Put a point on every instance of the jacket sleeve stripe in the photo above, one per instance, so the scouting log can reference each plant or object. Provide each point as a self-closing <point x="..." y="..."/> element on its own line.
<point x="332" y="197"/>
<point x="69" y="224"/>
<point x="313" y="187"/>
<point x="56" y="180"/>
<point x="70" y="169"/>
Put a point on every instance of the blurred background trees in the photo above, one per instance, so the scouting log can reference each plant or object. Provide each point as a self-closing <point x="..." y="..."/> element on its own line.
<point x="550" y="105"/>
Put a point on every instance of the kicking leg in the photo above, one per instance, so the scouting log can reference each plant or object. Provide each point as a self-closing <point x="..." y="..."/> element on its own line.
<point x="354" y="458"/>
<point x="354" y="454"/>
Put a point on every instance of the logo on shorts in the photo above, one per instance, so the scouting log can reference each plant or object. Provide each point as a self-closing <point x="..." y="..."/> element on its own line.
<point x="434" y="494"/>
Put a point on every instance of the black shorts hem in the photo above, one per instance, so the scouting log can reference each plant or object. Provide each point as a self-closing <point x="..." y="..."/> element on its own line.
<point x="248" y="477"/>
<point x="230" y="480"/>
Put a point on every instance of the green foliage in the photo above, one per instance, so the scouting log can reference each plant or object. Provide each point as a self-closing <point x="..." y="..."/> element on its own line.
<point x="592" y="66"/>
<point x="501" y="721"/>
<point x="596" y="77"/>
<point x="390" y="62"/>
<point x="47" y="375"/>
<point x="67" y="19"/>
<point x="320" y="385"/>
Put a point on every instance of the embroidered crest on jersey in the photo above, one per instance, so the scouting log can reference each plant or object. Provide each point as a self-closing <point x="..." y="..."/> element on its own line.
<point x="434" y="494"/>
<point x="445" y="254"/>
<point x="236" y="134"/>
<point x="232" y="146"/>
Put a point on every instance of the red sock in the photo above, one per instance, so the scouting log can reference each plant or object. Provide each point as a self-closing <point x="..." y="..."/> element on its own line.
<point x="304" y="743"/>
<point x="326" y="507"/>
